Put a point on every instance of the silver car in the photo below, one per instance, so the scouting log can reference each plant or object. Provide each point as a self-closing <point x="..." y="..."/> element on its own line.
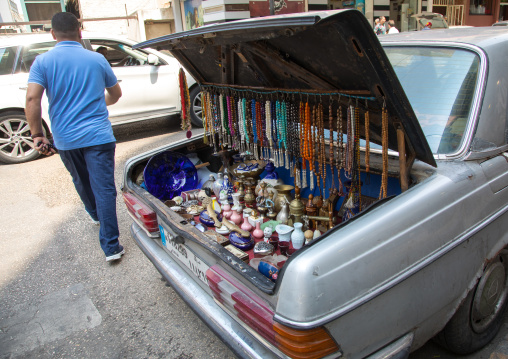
<point x="427" y="261"/>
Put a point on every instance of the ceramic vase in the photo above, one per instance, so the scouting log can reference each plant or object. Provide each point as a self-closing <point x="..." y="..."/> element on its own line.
<point x="284" y="232"/>
<point x="297" y="237"/>
<point x="236" y="217"/>
<point x="246" y="226"/>
<point x="258" y="232"/>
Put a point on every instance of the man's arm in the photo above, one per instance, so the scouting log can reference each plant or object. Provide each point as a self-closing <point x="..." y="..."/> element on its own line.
<point x="33" y="108"/>
<point x="113" y="94"/>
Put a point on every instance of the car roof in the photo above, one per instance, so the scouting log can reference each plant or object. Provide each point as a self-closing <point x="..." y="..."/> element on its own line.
<point x="482" y="37"/>
<point x="30" y="38"/>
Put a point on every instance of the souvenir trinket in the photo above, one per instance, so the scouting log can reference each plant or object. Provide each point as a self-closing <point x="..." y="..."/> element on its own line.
<point x="283" y="215"/>
<point x="296" y="207"/>
<point x="223" y="229"/>
<point x="236" y="216"/>
<point x="262" y="249"/>
<point x="233" y="227"/>
<point x="223" y="241"/>
<point x="246" y="226"/>
<point x="238" y="253"/>
<point x="283" y="193"/>
<point x="258" y="232"/>
<point x="309" y="235"/>
<point x="274" y="241"/>
<point x="269" y="270"/>
<point x="267" y="233"/>
<point x="284" y="232"/>
<point x="297" y="236"/>
<point x="207" y="220"/>
<point x="241" y="242"/>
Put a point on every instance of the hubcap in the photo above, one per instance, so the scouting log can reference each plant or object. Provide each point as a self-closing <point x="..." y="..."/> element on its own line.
<point x="489" y="298"/>
<point x="197" y="107"/>
<point x="15" y="140"/>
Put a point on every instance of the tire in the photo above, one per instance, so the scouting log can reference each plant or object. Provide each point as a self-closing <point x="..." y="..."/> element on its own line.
<point x="478" y="319"/>
<point x="196" y="109"/>
<point x="16" y="145"/>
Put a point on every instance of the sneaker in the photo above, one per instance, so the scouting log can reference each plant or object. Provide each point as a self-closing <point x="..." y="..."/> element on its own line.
<point x="117" y="255"/>
<point x="96" y="222"/>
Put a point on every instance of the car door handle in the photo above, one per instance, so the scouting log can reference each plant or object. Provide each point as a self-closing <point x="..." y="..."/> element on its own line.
<point x="23" y="87"/>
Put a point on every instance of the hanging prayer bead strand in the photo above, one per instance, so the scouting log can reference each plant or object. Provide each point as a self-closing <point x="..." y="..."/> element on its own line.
<point x="330" y="153"/>
<point x="357" y="158"/>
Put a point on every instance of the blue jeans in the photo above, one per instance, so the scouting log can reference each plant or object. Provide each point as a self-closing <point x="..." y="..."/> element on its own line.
<point x="93" y="173"/>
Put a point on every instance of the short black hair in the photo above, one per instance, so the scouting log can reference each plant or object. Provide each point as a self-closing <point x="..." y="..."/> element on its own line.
<point x="65" y="23"/>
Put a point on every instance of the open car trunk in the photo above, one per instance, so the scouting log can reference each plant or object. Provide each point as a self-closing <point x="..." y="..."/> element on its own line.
<point x="328" y="61"/>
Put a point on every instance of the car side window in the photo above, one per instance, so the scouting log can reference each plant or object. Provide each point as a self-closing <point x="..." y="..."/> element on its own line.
<point x="30" y="52"/>
<point x="7" y="57"/>
<point x="120" y="54"/>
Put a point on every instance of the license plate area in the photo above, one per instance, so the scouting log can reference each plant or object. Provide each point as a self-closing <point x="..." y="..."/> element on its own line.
<point x="184" y="255"/>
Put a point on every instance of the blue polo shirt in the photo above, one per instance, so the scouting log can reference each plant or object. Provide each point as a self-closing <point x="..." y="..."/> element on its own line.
<point x="75" y="80"/>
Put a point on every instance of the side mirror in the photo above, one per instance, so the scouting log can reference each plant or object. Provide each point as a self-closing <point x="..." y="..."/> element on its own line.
<point x="153" y="60"/>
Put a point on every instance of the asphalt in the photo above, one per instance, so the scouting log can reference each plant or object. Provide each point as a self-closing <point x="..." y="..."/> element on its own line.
<point x="58" y="296"/>
<point x="60" y="299"/>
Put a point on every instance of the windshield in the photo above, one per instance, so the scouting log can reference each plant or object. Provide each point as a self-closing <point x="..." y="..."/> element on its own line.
<point x="440" y="84"/>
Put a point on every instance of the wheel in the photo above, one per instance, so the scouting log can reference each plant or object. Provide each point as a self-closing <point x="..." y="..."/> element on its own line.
<point x="480" y="316"/>
<point x="16" y="145"/>
<point x="196" y="110"/>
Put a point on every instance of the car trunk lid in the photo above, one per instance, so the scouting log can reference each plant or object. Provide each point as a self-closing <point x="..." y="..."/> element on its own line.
<point x="314" y="56"/>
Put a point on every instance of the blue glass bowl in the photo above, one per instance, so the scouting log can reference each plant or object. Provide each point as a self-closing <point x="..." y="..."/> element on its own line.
<point x="169" y="173"/>
<point x="240" y="242"/>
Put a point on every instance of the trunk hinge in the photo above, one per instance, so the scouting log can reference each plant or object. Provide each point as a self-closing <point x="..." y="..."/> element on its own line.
<point x="406" y="158"/>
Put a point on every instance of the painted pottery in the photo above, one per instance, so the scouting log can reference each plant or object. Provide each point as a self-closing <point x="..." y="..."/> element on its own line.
<point x="205" y="218"/>
<point x="240" y="242"/>
<point x="268" y="269"/>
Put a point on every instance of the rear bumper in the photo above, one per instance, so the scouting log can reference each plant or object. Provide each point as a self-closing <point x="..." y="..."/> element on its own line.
<point x="241" y="342"/>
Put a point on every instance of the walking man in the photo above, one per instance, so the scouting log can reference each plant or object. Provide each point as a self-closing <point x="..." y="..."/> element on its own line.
<point x="75" y="80"/>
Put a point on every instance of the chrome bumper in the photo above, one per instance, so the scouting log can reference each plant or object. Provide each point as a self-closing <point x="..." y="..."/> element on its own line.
<point x="227" y="329"/>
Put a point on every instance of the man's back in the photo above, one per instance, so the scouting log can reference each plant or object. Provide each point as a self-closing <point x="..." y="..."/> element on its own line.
<point x="75" y="79"/>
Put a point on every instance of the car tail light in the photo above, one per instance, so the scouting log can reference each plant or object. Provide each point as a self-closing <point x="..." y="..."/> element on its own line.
<point x="144" y="215"/>
<point x="310" y="344"/>
<point x="253" y="311"/>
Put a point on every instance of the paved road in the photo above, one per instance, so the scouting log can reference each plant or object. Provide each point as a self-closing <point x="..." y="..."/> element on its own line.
<point x="60" y="299"/>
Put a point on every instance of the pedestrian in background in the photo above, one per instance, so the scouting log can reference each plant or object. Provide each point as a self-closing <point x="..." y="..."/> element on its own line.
<point x="380" y="28"/>
<point x="428" y="26"/>
<point x="391" y="27"/>
<point x="75" y="79"/>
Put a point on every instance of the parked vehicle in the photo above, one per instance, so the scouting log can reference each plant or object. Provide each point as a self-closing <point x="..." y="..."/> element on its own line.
<point x="501" y="23"/>
<point x="437" y="20"/>
<point x="426" y="261"/>
<point x="149" y="81"/>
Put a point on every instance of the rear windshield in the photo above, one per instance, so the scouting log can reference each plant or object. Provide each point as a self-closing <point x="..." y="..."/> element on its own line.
<point x="440" y="84"/>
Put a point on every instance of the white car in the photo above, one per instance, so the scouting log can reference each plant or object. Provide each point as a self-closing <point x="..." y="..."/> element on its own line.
<point x="149" y="81"/>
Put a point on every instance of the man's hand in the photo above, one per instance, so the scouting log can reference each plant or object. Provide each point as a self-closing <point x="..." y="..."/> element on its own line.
<point x="43" y="146"/>
<point x="113" y="94"/>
